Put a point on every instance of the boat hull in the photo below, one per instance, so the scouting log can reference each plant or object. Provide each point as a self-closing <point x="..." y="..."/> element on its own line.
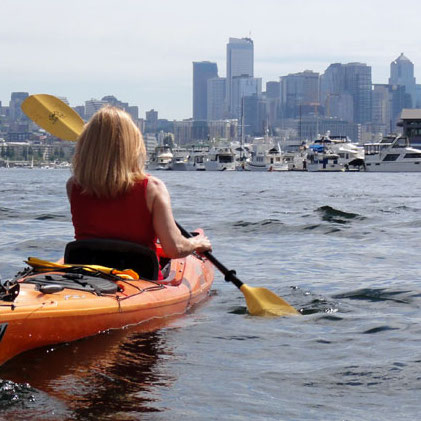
<point x="398" y="166"/>
<point x="36" y="319"/>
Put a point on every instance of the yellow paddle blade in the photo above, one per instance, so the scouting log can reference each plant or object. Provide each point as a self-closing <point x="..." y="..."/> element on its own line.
<point x="54" y="116"/>
<point x="262" y="302"/>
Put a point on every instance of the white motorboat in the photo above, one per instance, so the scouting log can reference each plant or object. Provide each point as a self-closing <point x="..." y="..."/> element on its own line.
<point x="220" y="158"/>
<point x="320" y="158"/>
<point x="264" y="159"/>
<point x="161" y="159"/>
<point x="180" y="159"/>
<point x="392" y="154"/>
<point x="334" y="153"/>
<point x="296" y="160"/>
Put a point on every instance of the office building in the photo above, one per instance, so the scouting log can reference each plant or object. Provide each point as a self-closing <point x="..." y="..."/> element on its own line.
<point x="15" y="111"/>
<point x="300" y="94"/>
<point x="242" y="86"/>
<point x="202" y="72"/>
<point x="345" y="91"/>
<point x="151" y="122"/>
<point x="216" y="98"/>
<point x="92" y="106"/>
<point x="402" y="73"/>
<point x="273" y="102"/>
<point x="240" y="62"/>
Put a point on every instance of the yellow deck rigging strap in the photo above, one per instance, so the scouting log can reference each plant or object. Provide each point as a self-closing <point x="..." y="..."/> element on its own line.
<point x="46" y="266"/>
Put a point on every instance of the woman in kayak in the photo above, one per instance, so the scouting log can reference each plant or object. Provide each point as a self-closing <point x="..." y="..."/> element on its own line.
<point x="110" y="194"/>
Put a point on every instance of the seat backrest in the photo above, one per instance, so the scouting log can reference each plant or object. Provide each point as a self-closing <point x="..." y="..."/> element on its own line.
<point x="113" y="253"/>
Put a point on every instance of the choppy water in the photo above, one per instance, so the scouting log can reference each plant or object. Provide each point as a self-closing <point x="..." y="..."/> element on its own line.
<point x="343" y="248"/>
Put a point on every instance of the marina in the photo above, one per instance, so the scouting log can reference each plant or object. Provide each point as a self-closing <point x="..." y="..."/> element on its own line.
<point x="327" y="153"/>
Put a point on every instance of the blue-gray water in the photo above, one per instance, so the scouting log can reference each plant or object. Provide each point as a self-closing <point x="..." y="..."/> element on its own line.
<point x="344" y="248"/>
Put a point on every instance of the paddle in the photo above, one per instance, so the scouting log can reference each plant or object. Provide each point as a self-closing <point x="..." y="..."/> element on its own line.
<point x="60" y="120"/>
<point x="260" y="301"/>
<point x="53" y="115"/>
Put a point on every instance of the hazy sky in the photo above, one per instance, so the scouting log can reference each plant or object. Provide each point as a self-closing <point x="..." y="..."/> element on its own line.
<point x="142" y="51"/>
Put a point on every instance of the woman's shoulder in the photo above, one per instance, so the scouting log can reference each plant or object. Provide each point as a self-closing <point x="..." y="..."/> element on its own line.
<point x="155" y="184"/>
<point x="69" y="186"/>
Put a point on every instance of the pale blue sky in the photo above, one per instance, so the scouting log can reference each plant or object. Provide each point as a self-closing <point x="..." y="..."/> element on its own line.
<point x="142" y="50"/>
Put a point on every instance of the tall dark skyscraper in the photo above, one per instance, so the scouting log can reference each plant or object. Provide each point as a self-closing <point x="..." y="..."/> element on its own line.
<point x="202" y="72"/>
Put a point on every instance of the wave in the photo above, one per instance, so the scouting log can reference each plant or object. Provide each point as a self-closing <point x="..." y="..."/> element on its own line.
<point x="379" y="294"/>
<point x="330" y="214"/>
<point x="269" y="225"/>
<point x="14" y="394"/>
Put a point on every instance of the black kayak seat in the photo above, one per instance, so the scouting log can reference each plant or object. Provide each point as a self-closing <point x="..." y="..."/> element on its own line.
<point x="112" y="253"/>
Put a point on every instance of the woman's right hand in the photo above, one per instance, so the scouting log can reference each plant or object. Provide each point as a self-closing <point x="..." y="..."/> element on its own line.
<point x="201" y="243"/>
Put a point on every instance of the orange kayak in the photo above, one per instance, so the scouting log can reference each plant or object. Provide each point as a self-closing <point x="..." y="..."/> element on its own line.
<point x="51" y="307"/>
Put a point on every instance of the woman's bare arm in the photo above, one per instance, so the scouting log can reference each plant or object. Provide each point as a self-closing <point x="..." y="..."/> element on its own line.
<point x="172" y="241"/>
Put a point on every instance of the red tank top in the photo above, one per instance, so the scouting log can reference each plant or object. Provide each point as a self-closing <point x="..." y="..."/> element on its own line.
<point x="125" y="217"/>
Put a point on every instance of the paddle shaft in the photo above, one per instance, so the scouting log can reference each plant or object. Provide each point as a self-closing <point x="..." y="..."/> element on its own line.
<point x="230" y="275"/>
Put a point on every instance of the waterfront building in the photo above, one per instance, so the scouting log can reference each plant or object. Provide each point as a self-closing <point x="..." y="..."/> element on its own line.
<point x="240" y="62"/>
<point x="150" y="143"/>
<point x="254" y="111"/>
<point x="242" y="86"/>
<point x="410" y="121"/>
<point x="133" y="110"/>
<point x="188" y="131"/>
<point x="202" y="72"/>
<point x="418" y="95"/>
<point x="402" y="73"/>
<point x="388" y="101"/>
<point x="381" y="112"/>
<point x="15" y="111"/>
<point x="216" y="98"/>
<point x="92" y="106"/>
<point x="299" y="92"/>
<point x="151" y="123"/>
<point x="312" y="127"/>
<point x="273" y="102"/>
<point x="343" y="84"/>
<point x="80" y="109"/>
<point x="223" y="129"/>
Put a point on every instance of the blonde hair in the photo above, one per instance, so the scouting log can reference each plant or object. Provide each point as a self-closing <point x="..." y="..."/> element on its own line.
<point x="110" y="154"/>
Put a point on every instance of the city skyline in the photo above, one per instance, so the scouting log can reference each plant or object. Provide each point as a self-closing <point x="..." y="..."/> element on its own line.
<point x="142" y="52"/>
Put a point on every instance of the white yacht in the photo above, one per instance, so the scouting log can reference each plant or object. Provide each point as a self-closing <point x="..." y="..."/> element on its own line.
<point x="161" y="159"/>
<point x="296" y="160"/>
<point x="196" y="159"/>
<point x="334" y="153"/>
<point x="263" y="159"/>
<point x="320" y="158"/>
<point x="221" y="158"/>
<point x="392" y="154"/>
<point x="180" y="159"/>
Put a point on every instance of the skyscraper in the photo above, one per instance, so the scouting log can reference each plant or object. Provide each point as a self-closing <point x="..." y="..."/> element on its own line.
<point x="346" y="91"/>
<point x="243" y="86"/>
<point x="299" y="92"/>
<point x="240" y="62"/>
<point x="15" y="112"/>
<point x="216" y="98"/>
<point x="202" y="72"/>
<point x="402" y="73"/>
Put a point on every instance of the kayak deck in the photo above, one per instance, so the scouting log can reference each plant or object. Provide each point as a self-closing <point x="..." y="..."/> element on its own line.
<point x="44" y="312"/>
